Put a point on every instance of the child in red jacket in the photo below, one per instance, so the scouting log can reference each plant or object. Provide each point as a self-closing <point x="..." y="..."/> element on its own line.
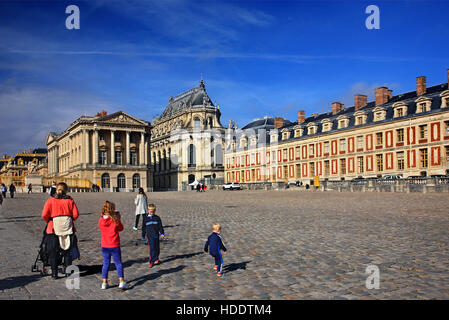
<point x="110" y="226"/>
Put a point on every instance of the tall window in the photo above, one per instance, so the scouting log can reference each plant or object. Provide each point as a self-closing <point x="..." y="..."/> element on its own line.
<point x="136" y="181"/>
<point x="312" y="149"/>
<point x="118" y="157"/>
<point x="197" y="123"/>
<point x="446" y="128"/>
<point x="326" y="147"/>
<point x="285" y="172"/>
<point x="423" y="158"/>
<point x="379" y="138"/>
<point x="400" y="159"/>
<point x="312" y="169"/>
<point x="298" y="171"/>
<point x="326" y="168"/>
<point x="343" y="166"/>
<point x="343" y="145"/>
<point x="359" y="142"/>
<point x="117" y="137"/>
<point x="447" y="154"/>
<point x="121" y="181"/>
<point x="191" y="154"/>
<point x="284" y="154"/>
<point x="103" y="157"/>
<point x="133" y="158"/>
<point x="379" y="162"/>
<point x="400" y="135"/>
<point x="298" y="152"/>
<point x="423" y="131"/>
<point x="360" y="166"/>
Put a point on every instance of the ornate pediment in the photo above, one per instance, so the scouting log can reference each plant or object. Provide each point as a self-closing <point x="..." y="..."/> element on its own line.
<point x="122" y="118"/>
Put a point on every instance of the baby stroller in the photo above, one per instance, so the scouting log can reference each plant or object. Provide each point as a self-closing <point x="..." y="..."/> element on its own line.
<point x="50" y="242"/>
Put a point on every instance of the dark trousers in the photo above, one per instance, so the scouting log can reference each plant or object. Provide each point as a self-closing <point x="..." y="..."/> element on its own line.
<point x="218" y="262"/>
<point x="4" y="194"/>
<point x="54" y="259"/>
<point x="137" y="223"/>
<point x="153" y="248"/>
<point x="11" y="194"/>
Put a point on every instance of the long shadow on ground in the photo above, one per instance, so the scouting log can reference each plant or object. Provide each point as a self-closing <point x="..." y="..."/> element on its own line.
<point x="235" y="266"/>
<point x="141" y="280"/>
<point x="16" y="282"/>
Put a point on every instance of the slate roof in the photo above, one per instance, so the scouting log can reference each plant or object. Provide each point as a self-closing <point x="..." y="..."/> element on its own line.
<point x="187" y="100"/>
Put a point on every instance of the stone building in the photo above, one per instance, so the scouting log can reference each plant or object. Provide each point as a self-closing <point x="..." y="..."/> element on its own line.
<point x="15" y="169"/>
<point x="187" y="140"/>
<point x="110" y="151"/>
<point x="405" y="134"/>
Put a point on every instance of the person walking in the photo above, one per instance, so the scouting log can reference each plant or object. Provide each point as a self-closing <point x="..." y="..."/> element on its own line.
<point x="3" y="189"/>
<point x="30" y="188"/>
<point x="141" y="203"/>
<point x="110" y="225"/>
<point x="214" y="245"/>
<point x="59" y="213"/>
<point x="154" y="228"/>
<point x="12" y="190"/>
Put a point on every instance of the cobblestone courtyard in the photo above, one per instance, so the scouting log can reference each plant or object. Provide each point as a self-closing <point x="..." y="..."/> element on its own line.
<point x="285" y="244"/>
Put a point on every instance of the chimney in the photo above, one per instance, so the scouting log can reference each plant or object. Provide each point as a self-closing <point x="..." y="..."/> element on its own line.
<point x="301" y="116"/>
<point x="360" y="101"/>
<point x="337" y="107"/>
<point x="278" y="122"/>
<point x="382" y="95"/>
<point x="420" y="85"/>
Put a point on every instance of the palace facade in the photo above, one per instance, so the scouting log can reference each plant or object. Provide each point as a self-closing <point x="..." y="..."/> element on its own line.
<point x="187" y="140"/>
<point x="405" y="134"/>
<point x="15" y="169"/>
<point x="110" y="151"/>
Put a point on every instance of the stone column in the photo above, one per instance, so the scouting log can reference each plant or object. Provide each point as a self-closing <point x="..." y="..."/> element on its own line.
<point x="112" y="146"/>
<point x="146" y="150"/>
<point x="141" y="149"/>
<point x="127" y="149"/>
<point x="96" y="146"/>
<point x="86" y="147"/>
<point x="56" y="162"/>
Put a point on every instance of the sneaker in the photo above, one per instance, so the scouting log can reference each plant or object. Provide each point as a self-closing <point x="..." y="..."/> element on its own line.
<point x="157" y="261"/>
<point x="134" y="228"/>
<point x="151" y="264"/>
<point x="219" y="274"/>
<point x="104" y="285"/>
<point x="215" y="268"/>
<point x="123" y="285"/>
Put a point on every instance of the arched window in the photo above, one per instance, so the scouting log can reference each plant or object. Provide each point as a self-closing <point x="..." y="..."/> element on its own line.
<point x="197" y="123"/>
<point x="105" y="181"/>
<point x="121" y="181"/>
<point x="191" y="155"/>
<point x="136" y="181"/>
<point x="218" y="155"/>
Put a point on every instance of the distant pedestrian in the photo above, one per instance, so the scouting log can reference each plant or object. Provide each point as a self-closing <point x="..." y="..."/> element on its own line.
<point x="12" y="190"/>
<point x="30" y="188"/>
<point x="198" y="188"/>
<point x="1" y="200"/>
<point x="154" y="228"/>
<point x="110" y="225"/>
<point x="3" y="189"/>
<point x="214" y="245"/>
<point x="52" y="191"/>
<point x="202" y="187"/>
<point x="141" y="203"/>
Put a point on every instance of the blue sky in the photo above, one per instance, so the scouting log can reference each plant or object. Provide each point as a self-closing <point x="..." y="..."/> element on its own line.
<point x="257" y="58"/>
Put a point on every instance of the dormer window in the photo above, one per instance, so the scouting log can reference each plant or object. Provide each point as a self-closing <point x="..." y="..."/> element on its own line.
<point x="285" y="135"/>
<point x="326" y="125"/>
<point x="423" y="104"/>
<point x="360" y="118"/>
<point x="400" y="109"/>
<point x="299" y="132"/>
<point x="253" y="141"/>
<point x="342" y="122"/>
<point x="445" y="99"/>
<point x="379" y="114"/>
<point x="311" y="128"/>
<point x="243" y="143"/>
<point x="274" y="137"/>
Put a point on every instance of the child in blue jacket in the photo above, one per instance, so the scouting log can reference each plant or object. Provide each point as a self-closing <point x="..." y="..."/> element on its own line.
<point x="214" y="245"/>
